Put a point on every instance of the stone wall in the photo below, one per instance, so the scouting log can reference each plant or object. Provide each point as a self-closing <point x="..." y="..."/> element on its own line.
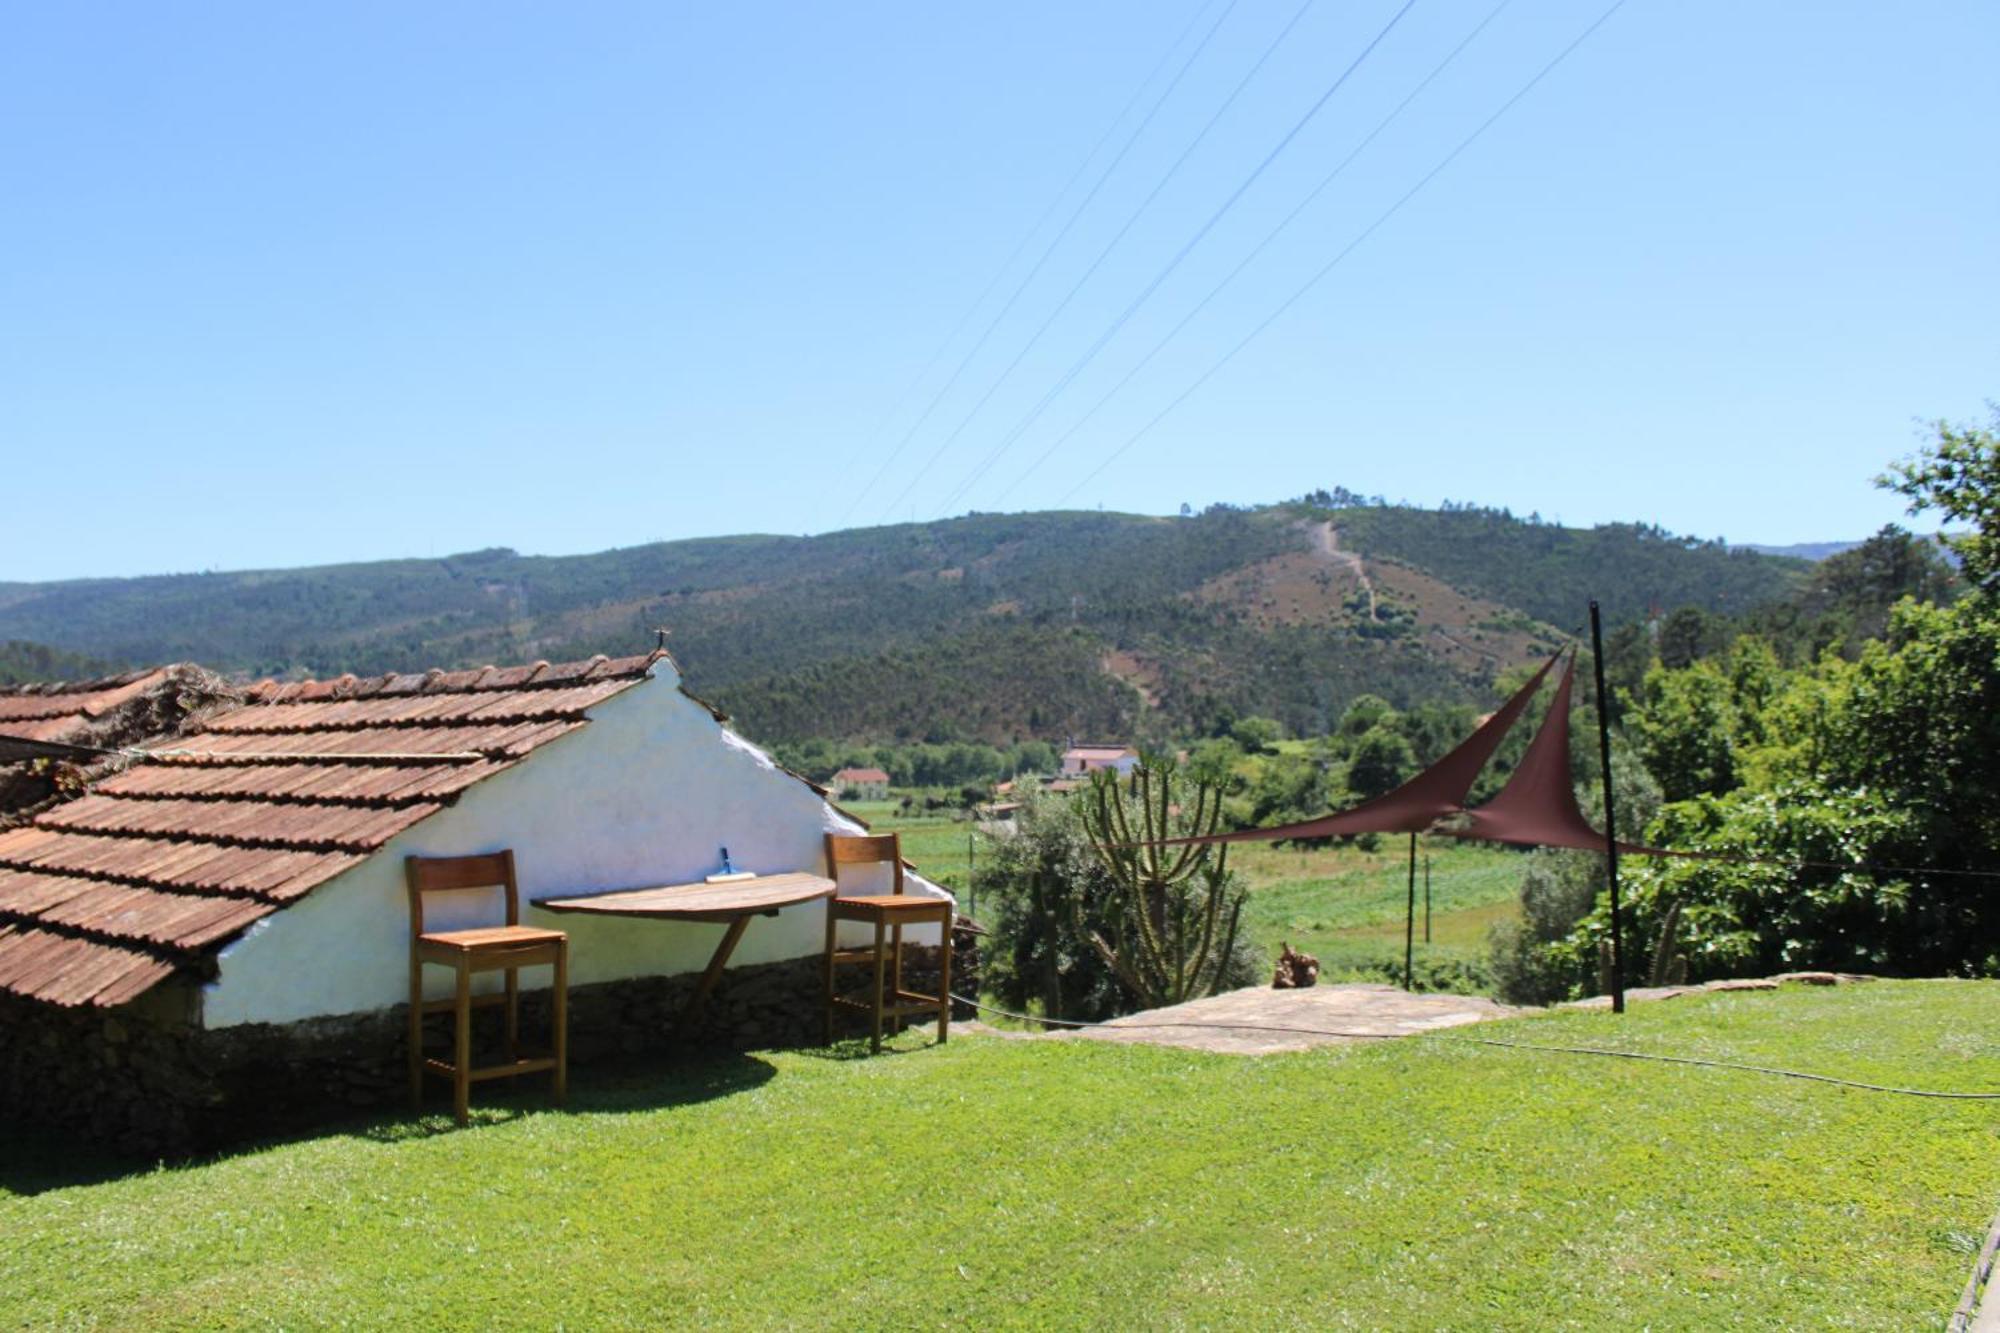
<point x="147" y="1080"/>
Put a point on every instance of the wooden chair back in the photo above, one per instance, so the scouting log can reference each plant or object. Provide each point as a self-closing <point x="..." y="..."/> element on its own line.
<point x="847" y="849"/>
<point x="447" y="874"/>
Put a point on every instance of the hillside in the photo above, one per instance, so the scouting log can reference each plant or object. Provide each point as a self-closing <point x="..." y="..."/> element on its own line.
<point x="21" y="662"/>
<point x="1803" y="550"/>
<point x="989" y="626"/>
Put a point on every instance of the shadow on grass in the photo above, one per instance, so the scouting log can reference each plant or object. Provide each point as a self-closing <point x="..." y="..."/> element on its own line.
<point x="856" y="1048"/>
<point x="35" y="1158"/>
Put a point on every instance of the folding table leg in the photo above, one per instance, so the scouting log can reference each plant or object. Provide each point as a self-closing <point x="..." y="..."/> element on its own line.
<point x="716" y="962"/>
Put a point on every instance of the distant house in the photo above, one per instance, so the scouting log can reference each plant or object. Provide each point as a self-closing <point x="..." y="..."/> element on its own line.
<point x="867" y="784"/>
<point x="1082" y="760"/>
<point x="222" y="925"/>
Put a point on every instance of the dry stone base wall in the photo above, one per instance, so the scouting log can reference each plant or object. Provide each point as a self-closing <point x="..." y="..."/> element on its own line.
<point x="147" y="1080"/>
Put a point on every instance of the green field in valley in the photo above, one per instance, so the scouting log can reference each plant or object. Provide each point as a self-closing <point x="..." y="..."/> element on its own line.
<point x="1344" y="905"/>
<point x="1005" y="1183"/>
<point x="936" y="843"/>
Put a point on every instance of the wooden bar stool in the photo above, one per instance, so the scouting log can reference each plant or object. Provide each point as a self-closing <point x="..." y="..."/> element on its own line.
<point x="507" y="948"/>
<point x="888" y="913"/>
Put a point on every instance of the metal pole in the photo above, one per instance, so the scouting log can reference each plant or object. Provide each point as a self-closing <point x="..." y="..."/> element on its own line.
<point x="1427" y="897"/>
<point x="1410" y="923"/>
<point x="1610" y="813"/>
<point x="971" y="877"/>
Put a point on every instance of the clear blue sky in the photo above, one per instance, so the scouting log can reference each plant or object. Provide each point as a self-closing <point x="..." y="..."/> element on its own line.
<point x="288" y="284"/>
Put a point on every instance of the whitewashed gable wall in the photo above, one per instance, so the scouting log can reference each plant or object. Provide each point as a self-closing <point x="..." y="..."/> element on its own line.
<point x="643" y="795"/>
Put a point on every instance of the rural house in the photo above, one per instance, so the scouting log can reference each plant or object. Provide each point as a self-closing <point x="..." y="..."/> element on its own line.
<point x="196" y="940"/>
<point x="1082" y="760"/>
<point x="866" y="784"/>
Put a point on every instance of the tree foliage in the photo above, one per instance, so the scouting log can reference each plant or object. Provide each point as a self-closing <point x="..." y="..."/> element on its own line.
<point x="1958" y="477"/>
<point x="1034" y="889"/>
<point x="1686" y="730"/>
<point x="1382" y="760"/>
<point x="1851" y="800"/>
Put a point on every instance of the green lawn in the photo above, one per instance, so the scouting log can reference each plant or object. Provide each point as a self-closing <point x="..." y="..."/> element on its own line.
<point x="1422" y="1183"/>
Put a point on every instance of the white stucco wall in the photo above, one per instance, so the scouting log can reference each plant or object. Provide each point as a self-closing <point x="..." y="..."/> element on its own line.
<point x="644" y="795"/>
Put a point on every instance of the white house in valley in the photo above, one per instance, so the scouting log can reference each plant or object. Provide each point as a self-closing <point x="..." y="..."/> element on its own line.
<point x="1082" y="760"/>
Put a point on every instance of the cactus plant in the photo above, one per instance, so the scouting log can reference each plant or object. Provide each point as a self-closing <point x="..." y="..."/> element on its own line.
<point x="1176" y="912"/>
<point x="1669" y="964"/>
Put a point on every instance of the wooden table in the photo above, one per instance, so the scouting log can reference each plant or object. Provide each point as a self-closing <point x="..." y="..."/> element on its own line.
<point x="730" y="902"/>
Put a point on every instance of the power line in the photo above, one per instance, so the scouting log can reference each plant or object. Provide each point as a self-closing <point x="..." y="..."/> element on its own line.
<point x="1144" y="204"/>
<point x="1173" y="263"/>
<point x="1052" y="246"/>
<point x="1326" y="181"/>
<point x="1351" y="246"/>
<point x="1001" y="272"/>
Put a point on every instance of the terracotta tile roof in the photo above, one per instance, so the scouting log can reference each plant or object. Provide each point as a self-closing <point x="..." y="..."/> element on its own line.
<point x="71" y="711"/>
<point x="860" y="775"/>
<point x="62" y="710"/>
<point x="147" y="874"/>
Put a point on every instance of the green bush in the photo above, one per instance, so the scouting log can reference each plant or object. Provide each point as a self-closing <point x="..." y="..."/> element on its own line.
<point x="1034" y="888"/>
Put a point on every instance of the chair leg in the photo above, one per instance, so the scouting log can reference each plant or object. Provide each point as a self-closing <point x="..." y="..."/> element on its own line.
<point x="832" y="930"/>
<point x="881" y="962"/>
<point x="416" y="1032"/>
<point x="896" y="971"/>
<point x="944" y="978"/>
<point x="559" y="1014"/>
<point x="513" y="1014"/>
<point x="461" y="1071"/>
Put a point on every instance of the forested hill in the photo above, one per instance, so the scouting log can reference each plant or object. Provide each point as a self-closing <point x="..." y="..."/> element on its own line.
<point x="23" y="662"/>
<point x="989" y="626"/>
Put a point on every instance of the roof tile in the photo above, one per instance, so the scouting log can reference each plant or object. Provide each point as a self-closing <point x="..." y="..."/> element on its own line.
<point x="122" y="912"/>
<point x="69" y="971"/>
<point x="105" y="895"/>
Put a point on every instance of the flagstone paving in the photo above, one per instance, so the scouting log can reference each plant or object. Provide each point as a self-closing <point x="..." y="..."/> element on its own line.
<point x="1295" y="1020"/>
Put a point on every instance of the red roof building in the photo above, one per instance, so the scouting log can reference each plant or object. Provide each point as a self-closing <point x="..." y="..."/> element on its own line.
<point x="1081" y="759"/>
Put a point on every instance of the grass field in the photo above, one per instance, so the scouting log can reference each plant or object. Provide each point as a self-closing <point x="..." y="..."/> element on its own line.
<point x="1426" y="1183"/>
<point x="1341" y="904"/>
<point x="1346" y="906"/>
<point x="935" y="843"/>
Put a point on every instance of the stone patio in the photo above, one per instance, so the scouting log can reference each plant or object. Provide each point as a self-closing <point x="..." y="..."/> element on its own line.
<point x="1294" y="1020"/>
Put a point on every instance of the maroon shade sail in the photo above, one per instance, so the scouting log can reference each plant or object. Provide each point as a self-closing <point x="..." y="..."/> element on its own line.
<point x="1537" y="807"/>
<point x="1438" y="791"/>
